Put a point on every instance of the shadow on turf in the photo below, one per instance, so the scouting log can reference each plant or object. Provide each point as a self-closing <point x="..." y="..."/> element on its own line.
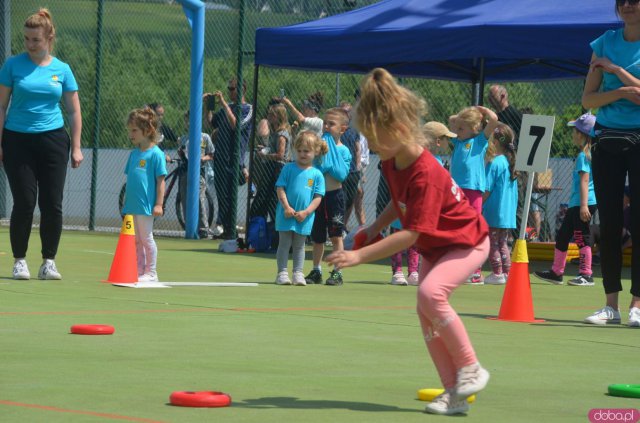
<point x="547" y="322"/>
<point x="297" y="403"/>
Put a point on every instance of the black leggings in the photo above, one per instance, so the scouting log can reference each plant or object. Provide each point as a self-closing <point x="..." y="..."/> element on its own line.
<point x="573" y="226"/>
<point x="36" y="166"/>
<point x="610" y="170"/>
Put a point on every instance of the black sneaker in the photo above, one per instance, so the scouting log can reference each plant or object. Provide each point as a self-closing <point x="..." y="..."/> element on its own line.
<point x="314" y="277"/>
<point x="581" y="280"/>
<point x="335" y="278"/>
<point x="549" y="276"/>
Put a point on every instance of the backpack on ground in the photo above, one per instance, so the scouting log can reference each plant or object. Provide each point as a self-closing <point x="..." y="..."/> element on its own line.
<point x="258" y="235"/>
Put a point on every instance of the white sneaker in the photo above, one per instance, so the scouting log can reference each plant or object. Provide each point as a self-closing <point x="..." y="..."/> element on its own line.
<point x="398" y="279"/>
<point x="148" y="277"/>
<point x="634" y="317"/>
<point x="21" y="271"/>
<point x="283" y="278"/>
<point x="471" y="380"/>
<point x="494" y="279"/>
<point x="604" y="316"/>
<point x="217" y="230"/>
<point x="447" y="403"/>
<point x="413" y="279"/>
<point x="298" y="279"/>
<point x="48" y="271"/>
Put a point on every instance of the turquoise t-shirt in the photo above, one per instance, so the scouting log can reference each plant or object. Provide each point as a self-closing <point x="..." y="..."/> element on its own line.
<point x="620" y="114"/>
<point x="300" y="186"/>
<point x="500" y="208"/>
<point x="35" y="93"/>
<point x="142" y="170"/>
<point x="467" y="162"/>
<point x="336" y="162"/>
<point x="582" y="165"/>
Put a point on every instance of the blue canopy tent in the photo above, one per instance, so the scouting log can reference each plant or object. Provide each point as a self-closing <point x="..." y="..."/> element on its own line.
<point x="459" y="40"/>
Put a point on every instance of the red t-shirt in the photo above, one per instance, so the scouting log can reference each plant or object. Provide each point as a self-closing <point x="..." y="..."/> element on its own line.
<point x="428" y="201"/>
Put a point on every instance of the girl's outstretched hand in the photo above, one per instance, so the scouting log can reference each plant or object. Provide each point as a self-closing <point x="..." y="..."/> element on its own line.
<point x="342" y="259"/>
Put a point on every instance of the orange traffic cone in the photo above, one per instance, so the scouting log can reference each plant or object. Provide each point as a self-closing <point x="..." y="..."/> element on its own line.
<point x="124" y="268"/>
<point x="517" y="303"/>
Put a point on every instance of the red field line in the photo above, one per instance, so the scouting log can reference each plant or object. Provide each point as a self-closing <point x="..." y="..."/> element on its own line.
<point x="256" y="309"/>
<point x="87" y="413"/>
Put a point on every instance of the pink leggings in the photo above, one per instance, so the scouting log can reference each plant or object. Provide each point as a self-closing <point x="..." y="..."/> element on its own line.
<point x="413" y="258"/>
<point x="475" y="198"/>
<point x="499" y="255"/>
<point x="442" y="328"/>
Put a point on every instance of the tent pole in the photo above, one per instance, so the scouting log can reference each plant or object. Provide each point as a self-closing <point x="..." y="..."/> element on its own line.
<point x="478" y="86"/>
<point x="252" y="148"/>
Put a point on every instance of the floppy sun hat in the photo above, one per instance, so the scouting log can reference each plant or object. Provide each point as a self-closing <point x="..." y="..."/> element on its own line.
<point x="437" y="130"/>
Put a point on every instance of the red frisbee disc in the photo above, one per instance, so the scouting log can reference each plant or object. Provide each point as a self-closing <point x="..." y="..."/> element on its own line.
<point x="92" y="329"/>
<point x="360" y="239"/>
<point x="200" y="399"/>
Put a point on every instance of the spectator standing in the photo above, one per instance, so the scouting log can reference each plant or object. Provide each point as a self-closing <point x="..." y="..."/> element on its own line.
<point x="308" y="119"/>
<point x="206" y="156"/>
<point x="272" y="158"/>
<point x="582" y="205"/>
<point x="613" y="87"/>
<point x="168" y="138"/>
<point x="146" y="169"/>
<point x="300" y="188"/>
<point x="351" y="139"/>
<point x="468" y="157"/>
<point x="227" y="178"/>
<point x="499" y="100"/>
<point x="500" y="203"/>
<point x="34" y="143"/>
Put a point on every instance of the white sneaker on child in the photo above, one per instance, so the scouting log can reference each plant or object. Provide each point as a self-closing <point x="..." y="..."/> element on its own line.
<point x="494" y="279"/>
<point x="447" y="403"/>
<point x="399" y="279"/>
<point x="413" y="279"/>
<point x="298" y="279"/>
<point x="148" y="277"/>
<point x="20" y="270"/>
<point x="634" y="317"/>
<point x="283" y="278"/>
<point x="471" y="380"/>
<point x="48" y="271"/>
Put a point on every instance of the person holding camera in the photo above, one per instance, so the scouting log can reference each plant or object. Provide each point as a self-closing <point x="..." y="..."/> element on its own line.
<point x="206" y="156"/>
<point x="308" y="119"/>
<point x="224" y="124"/>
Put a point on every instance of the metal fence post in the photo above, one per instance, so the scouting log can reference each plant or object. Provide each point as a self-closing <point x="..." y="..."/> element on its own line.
<point x="96" y="124"/>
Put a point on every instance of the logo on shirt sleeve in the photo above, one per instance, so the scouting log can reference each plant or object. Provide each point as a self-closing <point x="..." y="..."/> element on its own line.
<point x="455" y="190"/>
<point x="403" y="208"/>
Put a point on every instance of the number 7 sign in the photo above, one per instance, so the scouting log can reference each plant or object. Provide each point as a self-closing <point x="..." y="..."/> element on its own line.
<point x="534" y="143"/>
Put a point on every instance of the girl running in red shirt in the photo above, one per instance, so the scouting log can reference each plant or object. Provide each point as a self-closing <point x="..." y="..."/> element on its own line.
<point x="437" y="218"/>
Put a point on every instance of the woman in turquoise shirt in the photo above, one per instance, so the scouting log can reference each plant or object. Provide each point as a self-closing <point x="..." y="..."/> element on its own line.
<point x="34" y="144"/>
<point x="613" y="87"/>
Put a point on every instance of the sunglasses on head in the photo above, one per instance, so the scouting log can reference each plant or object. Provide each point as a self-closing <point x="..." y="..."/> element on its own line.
<point x="621" y="3"/>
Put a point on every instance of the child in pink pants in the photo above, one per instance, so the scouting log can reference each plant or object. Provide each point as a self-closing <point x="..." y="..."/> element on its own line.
<point x="436" y="218"/>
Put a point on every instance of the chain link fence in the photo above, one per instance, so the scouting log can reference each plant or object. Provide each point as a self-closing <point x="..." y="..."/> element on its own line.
<point x="127" y="53"/>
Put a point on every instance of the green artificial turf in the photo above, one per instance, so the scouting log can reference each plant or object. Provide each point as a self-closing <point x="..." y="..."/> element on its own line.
<point x="300" y="354"/>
